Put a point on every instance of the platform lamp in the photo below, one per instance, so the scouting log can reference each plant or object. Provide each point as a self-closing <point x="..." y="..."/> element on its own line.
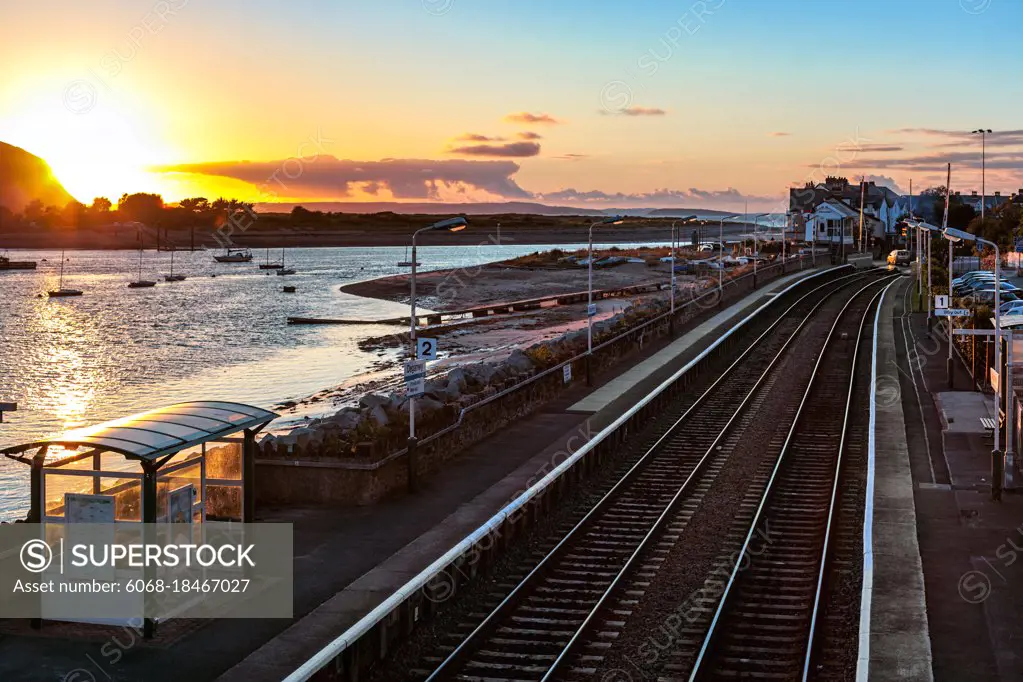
<point x="674" y="242"/>
<point x="590" y="310"/>
<point x="1001" y="470"/>
<point x="756" y="247"/>
<point x="456" y="224"/>
<point x="721" y="253"/>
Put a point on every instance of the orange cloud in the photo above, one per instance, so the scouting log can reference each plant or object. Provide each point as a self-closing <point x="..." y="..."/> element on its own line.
<point x="526" y="117"/>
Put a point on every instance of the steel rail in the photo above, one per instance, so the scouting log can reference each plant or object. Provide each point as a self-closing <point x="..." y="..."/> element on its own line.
<point x="712" y="631"/>
<point x="463" y="649"/>
<point x="826" y="549"/>
<point x="350" y="636"/>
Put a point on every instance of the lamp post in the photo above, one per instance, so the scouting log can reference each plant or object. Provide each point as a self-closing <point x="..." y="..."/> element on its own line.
<point x="1005" y="382"/>
<point x="674" y="241"/>
<point x="590" y="311"/>
<point x="448" y="225"/>
<point x="721" y="253"/>
<point x="756" y="248"/>
<point x="983" y="132"/>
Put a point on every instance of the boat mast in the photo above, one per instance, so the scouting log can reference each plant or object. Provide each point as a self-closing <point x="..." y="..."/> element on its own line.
<point x="60" y="285"/>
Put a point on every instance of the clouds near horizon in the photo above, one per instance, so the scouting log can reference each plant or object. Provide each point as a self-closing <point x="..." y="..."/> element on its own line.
<point x="509" y="150"/>
<point x="329" y="177"/>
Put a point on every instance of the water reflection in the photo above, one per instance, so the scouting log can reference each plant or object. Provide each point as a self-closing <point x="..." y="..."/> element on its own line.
<point x="117" y="351"/>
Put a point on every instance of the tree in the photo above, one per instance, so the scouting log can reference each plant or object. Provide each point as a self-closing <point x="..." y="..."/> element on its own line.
<point x="195" y="204"/>
<point x="101" y="205"/>
<point x="141" y="207"/>
<point x="34" y="211"/>
<point x="74" y="214"/>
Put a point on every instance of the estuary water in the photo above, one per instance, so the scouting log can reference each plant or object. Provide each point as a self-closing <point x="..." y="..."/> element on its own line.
<point x="220" y="334"/>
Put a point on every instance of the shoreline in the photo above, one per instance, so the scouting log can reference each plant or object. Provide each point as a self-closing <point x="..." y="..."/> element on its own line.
<point x="481" y="234"/>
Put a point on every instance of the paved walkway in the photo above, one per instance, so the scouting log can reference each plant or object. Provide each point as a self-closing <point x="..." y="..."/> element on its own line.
<point x="609" y="392"/>
<point x="968" y="543"/>
<point x="371" y="551"/>
<point x="894" y="611"/>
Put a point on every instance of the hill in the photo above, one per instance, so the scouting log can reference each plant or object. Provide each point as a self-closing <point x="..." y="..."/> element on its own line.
<point x="25" y="177"/>
<point x="430" y="208"/>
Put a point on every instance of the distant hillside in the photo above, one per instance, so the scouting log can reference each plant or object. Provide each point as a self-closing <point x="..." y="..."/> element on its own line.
<point x="491" y="208"/>
<point x="25" y="177"/>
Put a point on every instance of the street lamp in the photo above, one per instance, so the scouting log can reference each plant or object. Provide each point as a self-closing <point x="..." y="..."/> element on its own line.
<point x="756" y="248"/>
<point x="674" y="241"/>
<point x="1005" y="382"/>
<point x="983" y="132"/>
<point x="924" y="228"/>
<point x="456" y="224"/>
<point x="590" y="310"/>
<point x="721" y="253"/>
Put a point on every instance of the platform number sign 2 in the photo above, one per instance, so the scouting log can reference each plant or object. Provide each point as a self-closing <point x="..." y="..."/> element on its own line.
<point x="426" y="349"/>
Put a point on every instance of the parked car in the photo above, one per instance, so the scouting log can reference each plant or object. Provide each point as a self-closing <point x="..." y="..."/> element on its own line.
<point x="1013" y="321"/>
<point x="981" y="283"/>
<point x="987" y="297"/>
<point x="899" y="257"/>
<point x="1011" y="307"/>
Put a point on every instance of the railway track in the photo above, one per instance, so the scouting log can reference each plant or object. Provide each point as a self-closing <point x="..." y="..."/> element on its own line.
<point x="537" y="631"/>
<point x="781" y="610"/>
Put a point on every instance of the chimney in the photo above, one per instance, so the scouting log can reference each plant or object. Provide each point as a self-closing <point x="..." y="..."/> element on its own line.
<point x="974" y="192"/>
<point x="998" y="194"/>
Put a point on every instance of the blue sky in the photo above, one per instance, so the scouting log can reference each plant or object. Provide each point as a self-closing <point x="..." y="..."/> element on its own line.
<point x="725" y="101"/>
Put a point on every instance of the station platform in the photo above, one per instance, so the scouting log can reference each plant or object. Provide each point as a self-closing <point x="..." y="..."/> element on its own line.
<point x="348" y="560"/>
<point x="968" y="544"/>
<point x="621" y="385"/>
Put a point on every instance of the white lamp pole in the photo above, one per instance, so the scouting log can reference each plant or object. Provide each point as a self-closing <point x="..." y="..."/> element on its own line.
<point x="756" y="248"/>
<point x="611" y="220"/>
<point x="721" y="253"/>
<point x="675" y="240"/>
<point x="983" y="167"/>
<point x="1005" y="379"/>
<point x="448" y="225"/>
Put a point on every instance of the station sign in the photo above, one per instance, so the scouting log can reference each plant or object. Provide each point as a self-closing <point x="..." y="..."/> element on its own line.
<point x="566" y="373"/>
<point x="426" y="349"/>
<point x="941" y="301"/>
<point x="415" y="378"/>
<point x="953" y="312"/>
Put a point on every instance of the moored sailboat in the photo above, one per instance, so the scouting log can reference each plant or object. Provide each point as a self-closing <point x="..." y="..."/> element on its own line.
<point x="60" y="291"/>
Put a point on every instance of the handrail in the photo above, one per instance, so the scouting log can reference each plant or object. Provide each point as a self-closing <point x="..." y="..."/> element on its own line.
<point x="323" y="657"/>
<point x="551" y="370"/>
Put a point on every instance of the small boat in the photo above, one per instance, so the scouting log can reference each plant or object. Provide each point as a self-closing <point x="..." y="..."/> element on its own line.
<point x="235" y="256"/>
<point x="61" y="292"/>
<point x="172" y="277"/>
<point x="141" y="283"/>
<point x="289" y="290"/>
<point x="276" y="265"/>
<point x="407" y="263"/>
<point x="283" y="270"/>
<point x="8" y="264"/>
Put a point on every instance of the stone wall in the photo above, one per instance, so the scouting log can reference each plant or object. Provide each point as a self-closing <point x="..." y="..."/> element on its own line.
<point x="357" y="455"/>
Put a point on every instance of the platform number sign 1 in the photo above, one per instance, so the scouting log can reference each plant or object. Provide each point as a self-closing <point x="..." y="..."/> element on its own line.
<point x="941" y="301"/>
<point x="426" y="349"/>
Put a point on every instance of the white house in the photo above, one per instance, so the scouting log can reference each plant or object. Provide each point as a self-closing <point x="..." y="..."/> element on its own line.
<point x="834" y="217"/>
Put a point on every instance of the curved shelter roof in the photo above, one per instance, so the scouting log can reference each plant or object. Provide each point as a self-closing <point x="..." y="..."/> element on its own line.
<point x="157" y="433"/>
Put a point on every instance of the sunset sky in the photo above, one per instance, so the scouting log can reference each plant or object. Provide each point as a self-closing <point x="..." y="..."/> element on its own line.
<point x="587" y="103"/>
